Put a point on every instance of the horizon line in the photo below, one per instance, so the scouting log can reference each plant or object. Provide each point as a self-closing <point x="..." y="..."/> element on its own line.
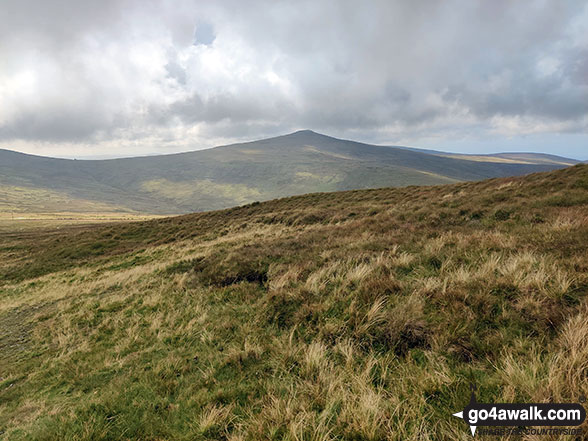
<point x="300" y="131"/>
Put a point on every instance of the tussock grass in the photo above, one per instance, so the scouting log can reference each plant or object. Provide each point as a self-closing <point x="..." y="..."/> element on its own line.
<point x="356" y="315"/>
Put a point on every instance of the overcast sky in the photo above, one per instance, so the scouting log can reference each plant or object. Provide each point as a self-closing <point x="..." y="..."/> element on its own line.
<point x="122" y="78"/>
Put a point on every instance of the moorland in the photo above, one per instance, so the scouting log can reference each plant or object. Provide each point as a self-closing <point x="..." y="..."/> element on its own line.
<point x="356" y="315"/>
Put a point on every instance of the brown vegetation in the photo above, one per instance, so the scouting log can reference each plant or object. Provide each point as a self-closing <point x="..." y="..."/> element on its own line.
<point x="354" y="315"/>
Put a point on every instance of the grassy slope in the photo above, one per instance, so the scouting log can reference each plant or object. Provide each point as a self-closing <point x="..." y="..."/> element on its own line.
<point x="299" y="163"/>
<point x="355" y="315"/>
<point x="29" y="200"/>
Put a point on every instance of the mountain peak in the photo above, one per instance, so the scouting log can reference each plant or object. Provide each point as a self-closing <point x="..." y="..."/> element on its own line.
<point x="307" y="133"/>
<point x="304" y="132"/>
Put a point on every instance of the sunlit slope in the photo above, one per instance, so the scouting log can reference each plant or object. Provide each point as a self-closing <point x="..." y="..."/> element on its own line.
<point x="226" y="176"/>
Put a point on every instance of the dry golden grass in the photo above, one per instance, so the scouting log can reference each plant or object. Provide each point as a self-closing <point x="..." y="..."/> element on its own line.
<point x="19" y="222"/>
<point x="359" y="315"/>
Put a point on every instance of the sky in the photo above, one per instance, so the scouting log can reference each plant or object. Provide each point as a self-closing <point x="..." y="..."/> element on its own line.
<point x="137" y="77"/>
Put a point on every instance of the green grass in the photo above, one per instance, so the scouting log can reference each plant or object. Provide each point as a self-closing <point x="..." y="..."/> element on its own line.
<point x="361" y="315"/>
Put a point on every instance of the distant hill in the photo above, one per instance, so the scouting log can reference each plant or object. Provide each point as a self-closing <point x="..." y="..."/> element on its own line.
<point x="298" y="163"/>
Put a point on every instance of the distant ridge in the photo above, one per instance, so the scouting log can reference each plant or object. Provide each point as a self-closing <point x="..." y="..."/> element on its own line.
<point x="296" y="163"/>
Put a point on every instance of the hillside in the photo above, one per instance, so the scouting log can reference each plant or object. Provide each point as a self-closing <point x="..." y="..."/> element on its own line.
<point x="222" y="177"/>
<point x="354" y="315"/>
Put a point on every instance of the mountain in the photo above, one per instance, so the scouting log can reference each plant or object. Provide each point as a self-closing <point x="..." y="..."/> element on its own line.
<point x="359" y="315"/>
<point x="225" y="176"/>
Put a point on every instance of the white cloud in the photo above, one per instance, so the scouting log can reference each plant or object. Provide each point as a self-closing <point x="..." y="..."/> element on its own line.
<point x="131" y="77"/>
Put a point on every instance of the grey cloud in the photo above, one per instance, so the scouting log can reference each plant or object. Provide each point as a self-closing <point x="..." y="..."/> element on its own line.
<point x="176" y="72"/>
<point x="230" y="71"/>
<point x="226" y="106"/>
<point x="62" y="125"/>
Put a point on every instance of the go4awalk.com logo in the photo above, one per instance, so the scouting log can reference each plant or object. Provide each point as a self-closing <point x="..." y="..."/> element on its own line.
<point x="520" y="415"/>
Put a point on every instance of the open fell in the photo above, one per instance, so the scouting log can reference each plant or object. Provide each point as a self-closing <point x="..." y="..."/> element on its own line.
<point x="13" y="223"/>
<point x="298" y="163"/>
<point x="354" y="315"/>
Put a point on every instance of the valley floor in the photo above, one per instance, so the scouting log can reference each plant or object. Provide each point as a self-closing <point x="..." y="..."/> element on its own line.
<point x="17" y="222"/>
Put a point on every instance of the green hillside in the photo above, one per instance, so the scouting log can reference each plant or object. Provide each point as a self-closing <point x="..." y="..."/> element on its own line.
<point x="358" y="315"/>
<point x="222" y="177"/>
